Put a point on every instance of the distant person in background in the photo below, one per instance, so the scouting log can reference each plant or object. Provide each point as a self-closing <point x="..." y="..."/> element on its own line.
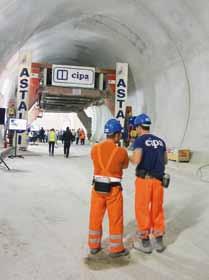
<point x="74" y="134"/>
<point x="30" y="136"/>
<point x="46" y="136"/>
<point x="60" y="137"/>
<point x="63" y="132"/>
<point x="82" y="137"/>
<point x="41" y="135"/>
<point x="77" y="136"/>
<point x="67" y="137"/>
<point x="89" y="136"/>
<point x="33" y="136"/>
<point x="57" y="134"/>
<point x="52" y="140"/>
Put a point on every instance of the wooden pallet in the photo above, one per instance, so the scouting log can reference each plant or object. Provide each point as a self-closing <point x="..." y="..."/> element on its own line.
<point x="181" y="155"/>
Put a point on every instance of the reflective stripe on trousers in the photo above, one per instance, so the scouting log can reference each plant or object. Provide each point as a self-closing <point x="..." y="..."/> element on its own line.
<point x="157" y="233"/>
<point x="142" y="234"/>
<point x="94" y="241"/>
<point x="95" y="232"/>
<point x="95" y="237"/>
<point x="146" y="233"/>
<point x="116" y="236"/>
<point x="114" y="245"/>
<point x="116" y="242"/>
<point x="113" y="202"/>
<point x="149" y="207"/>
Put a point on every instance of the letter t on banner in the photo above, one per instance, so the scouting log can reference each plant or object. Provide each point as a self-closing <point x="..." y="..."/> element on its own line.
<point x="121" y="91"/>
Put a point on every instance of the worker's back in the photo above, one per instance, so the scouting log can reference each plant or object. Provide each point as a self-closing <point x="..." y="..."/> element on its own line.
<point x="119" y="161"/>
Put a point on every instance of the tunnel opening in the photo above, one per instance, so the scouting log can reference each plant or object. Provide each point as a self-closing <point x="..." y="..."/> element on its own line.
<point x="61" y="96"/>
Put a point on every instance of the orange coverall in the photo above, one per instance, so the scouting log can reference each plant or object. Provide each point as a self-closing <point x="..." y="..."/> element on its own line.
<point x="108" y="160"/>
<point x="149" y="207"/>
<point x="82" y="135"/>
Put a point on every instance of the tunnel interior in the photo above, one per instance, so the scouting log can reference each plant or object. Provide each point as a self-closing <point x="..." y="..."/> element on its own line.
<point x="165" y="45"/>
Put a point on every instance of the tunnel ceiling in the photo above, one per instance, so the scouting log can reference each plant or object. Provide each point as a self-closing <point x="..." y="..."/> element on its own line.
<point x="164" y="42"/>
<point x="149" y="33"/>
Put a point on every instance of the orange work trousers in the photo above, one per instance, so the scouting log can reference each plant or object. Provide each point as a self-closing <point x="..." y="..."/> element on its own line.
<point x="149" y="207"/>
<point x="113" y="202"/>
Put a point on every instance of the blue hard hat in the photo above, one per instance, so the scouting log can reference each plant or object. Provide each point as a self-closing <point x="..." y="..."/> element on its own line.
<point x="112" y="126"/>
<point x="131" y="120"/>
<point x="142" y="120"/>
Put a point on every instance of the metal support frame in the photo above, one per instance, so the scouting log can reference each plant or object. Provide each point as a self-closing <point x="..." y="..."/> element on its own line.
<point x="15" y="151"/>
<point x="2" y="161"/>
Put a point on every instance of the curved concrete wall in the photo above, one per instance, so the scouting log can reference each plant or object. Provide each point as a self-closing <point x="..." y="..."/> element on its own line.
<point x="166" y="44"/>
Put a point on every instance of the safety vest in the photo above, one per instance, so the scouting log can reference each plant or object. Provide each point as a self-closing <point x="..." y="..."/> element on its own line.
<point x="52" y="136"/>
<point x="133" y="134"/>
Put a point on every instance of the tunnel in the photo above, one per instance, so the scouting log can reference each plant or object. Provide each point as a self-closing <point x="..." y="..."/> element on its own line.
<point x="166" y="46"/>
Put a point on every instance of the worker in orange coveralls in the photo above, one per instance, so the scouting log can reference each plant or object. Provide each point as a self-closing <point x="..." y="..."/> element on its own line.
<point x="109" y="160"/>
<point x="150" y="156"/>
<point x="82" y="137"/>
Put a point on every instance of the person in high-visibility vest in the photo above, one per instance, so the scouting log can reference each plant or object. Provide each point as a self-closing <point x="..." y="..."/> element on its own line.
<point x="52" y="138"/>
<point x="133" y="134"/>
<point x="109" y="160"/>
<point x="150" y="157"/>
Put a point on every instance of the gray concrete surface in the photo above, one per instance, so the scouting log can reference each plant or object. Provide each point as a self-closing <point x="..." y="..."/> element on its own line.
<point x="44" y="208"/>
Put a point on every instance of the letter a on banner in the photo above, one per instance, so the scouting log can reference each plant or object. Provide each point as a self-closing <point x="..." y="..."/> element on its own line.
<point x="121" y="91"/>
<point x="24" y="73"/>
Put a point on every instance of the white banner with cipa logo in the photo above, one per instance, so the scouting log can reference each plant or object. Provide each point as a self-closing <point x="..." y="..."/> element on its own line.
<point x="121" y="91"/>
<point x="73" y="76"/>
